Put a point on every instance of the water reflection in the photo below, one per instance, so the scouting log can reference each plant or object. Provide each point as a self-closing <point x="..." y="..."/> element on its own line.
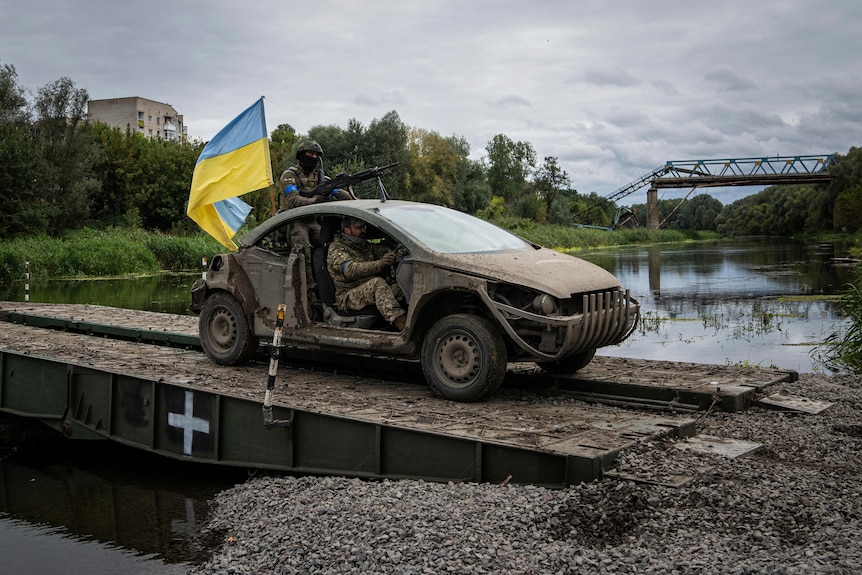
<point x="720" y="270"/>
<point x="747" y="302"/>
<point x="106" y="509"/>
<point x="167" y="293"/>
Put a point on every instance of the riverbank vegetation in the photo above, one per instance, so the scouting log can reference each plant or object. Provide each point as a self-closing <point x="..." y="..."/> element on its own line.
<point x="573" y="239"/>
<point x="842" y="349"/>
<point x="103" y="253"/>
<point x="131" y="251"/>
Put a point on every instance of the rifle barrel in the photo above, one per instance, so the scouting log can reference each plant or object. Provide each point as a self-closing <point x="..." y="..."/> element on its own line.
<point x="344" y="180"/>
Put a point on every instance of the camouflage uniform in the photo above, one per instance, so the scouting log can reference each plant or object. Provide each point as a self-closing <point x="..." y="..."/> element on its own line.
<point x="305" y="232"/>
<point x="356" y="273"/>
<point x="293" y="181"/>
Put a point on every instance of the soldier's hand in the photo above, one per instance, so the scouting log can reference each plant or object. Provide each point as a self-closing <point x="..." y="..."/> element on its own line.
<point x="388" y="260"/>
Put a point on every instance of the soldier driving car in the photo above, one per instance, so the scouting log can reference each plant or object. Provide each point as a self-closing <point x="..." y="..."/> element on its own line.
<point x="360" y="272"/>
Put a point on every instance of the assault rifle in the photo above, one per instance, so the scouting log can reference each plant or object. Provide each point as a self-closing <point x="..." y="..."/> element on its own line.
<point x="344" y="181"/>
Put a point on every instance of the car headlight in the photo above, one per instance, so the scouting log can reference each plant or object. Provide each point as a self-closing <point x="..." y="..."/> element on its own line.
<point x="545" y="304"/>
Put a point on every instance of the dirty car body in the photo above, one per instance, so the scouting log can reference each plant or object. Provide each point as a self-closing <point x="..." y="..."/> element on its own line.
<point x="477" y="297"/>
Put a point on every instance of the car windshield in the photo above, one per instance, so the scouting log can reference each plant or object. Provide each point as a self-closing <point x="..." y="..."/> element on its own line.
<point x="451" y="232"/>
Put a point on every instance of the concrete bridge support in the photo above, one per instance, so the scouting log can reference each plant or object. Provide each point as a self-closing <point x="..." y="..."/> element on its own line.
<point x="652" y="220"/>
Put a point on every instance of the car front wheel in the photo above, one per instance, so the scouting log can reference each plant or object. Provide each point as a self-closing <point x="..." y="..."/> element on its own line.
<point x="569" y="364"/>
<point x="224" y="332"/>
<point x="464" y="358"/>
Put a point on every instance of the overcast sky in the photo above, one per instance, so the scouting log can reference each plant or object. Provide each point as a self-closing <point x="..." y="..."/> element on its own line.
<point x="612" y="89"/>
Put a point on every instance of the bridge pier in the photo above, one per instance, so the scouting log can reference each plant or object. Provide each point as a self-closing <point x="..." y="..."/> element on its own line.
<point x="652" y="220"/>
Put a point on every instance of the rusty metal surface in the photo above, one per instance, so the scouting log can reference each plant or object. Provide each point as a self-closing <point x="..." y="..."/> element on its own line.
<point x="535" y="413"/>
<point x="514" y="418"/>
<point x="674" y="385"/>
<point x="104" y="315"/>
<point x="677" y="385"/>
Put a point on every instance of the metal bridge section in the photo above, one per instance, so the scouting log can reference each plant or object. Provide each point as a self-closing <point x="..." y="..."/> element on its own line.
<point x="748" y="168"/>
<point x="763" y="171"/>
<point x="140" y="379"/>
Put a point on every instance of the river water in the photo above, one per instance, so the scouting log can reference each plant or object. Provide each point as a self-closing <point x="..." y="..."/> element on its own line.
<point x="98" y="509"/>
<point x="747" y="302"/>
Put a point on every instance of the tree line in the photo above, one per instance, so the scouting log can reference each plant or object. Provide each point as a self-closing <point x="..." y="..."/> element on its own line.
<point x="60" y="172"/>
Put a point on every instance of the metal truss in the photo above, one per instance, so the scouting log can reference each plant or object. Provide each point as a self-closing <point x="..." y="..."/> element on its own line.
<point x="735" y="171"/>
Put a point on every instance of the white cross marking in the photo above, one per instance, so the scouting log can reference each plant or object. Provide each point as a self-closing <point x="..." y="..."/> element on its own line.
<point x="188" y="423"/>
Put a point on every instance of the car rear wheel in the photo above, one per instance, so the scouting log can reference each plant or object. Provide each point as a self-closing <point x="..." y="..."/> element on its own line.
<point x="464" y="358"/>
<point x="569" y="364"/>
<point x="224" y="332"/>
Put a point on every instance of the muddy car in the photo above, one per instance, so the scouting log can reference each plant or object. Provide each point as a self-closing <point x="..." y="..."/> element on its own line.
<point x="477" y="297"/>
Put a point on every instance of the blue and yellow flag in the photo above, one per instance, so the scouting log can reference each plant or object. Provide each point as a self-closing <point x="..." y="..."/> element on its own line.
<point x="233" y="163"/>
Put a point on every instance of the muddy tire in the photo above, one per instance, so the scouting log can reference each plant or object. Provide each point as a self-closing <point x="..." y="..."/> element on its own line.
<point x="464" y="358"/>
<point x="224" y="331"/>
<point x="569" y="364"/>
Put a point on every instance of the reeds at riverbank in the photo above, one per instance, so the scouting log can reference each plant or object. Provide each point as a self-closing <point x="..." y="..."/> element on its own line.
<point x="120" y="251"/>
<point x="101" y="253"/>
<point x="568" y="238"/>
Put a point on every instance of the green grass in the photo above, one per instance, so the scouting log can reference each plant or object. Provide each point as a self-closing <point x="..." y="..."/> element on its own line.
<point x="842" y="349"/>
<point x="567" y="238"/>
<point x="121" y="251"/>
<point x="104" y="253"/>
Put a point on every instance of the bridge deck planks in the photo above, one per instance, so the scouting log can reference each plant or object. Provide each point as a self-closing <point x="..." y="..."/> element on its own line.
<point x="515" y="417"/>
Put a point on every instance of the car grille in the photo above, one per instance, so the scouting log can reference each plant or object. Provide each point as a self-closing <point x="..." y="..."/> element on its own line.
<point x="609" y="318"/>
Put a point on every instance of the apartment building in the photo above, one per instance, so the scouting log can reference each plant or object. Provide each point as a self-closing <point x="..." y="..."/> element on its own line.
<point x="151" y="118"/>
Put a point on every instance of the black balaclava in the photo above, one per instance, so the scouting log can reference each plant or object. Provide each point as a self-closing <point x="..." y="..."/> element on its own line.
<point x="308" y="163"/>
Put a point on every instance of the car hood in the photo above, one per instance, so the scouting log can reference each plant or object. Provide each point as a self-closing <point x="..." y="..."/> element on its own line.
<point x="546" y="270"/>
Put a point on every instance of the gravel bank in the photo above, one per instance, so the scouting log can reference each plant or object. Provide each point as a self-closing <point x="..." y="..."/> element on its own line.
<point x="793" y="506"/>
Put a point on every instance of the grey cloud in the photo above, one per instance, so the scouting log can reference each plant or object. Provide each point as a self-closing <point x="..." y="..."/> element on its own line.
<point x="626" y="117"/>
<point x="666" y="88"/>
<point x="614" y="77"/>
<point x="393" y="97"/>
<point x="366" y="100"/>
<point x="728" y="80"/>
<point x="512" y="101"/>
<point x="381" y="98"/>
<point x="844" y="89"/>
<point x="828" y="126"/>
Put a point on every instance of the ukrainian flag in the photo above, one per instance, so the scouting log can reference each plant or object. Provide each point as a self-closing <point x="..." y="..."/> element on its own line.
<point x="235" y="162"/>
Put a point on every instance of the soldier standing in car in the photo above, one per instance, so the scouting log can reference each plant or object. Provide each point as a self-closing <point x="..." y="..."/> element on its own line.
<point x="357" y="268"/>
<point x="304" y="177"/>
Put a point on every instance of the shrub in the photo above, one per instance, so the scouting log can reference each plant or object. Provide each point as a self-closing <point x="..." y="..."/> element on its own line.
<point x="568" y="238"/>
<point x="182" y="253"/>
<point x="101" y="253"/>
<point x="842" y="349"/>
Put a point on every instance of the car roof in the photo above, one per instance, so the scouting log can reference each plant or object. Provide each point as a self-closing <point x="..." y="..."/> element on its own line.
<point x="360" y="208"/>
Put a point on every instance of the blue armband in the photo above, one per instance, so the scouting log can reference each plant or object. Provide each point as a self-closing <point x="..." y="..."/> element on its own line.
<point x="290" y="188"/>
<point x="335" y="191"/>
